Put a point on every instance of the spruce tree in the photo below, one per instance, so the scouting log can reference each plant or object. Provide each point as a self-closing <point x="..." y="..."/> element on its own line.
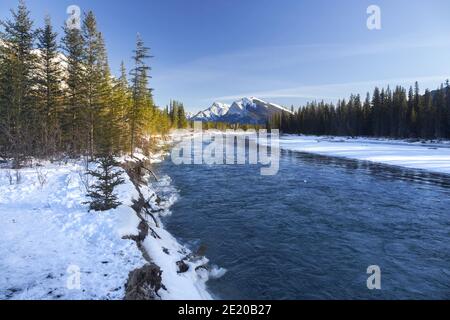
<point x="121" y="101"/>
<point x="439" y="119"/>
<point x="92" y="77"/>
<point x="18" y="84"/>
<point x="376" y="112"/>
<point x="411" y="116"/>
<point x="49" y="79"/>
<point x="140" y="93"/>
<point x="108" y="178"/>
<point x="174" y="114"/>
<point x="447" y="108"/>
<point x="182" y="121"/>
<point x="73" y="123"/>
<point x="367" y="117"/>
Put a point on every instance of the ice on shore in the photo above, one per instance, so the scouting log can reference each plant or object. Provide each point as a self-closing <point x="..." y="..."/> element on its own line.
<point x="428" y="156"/>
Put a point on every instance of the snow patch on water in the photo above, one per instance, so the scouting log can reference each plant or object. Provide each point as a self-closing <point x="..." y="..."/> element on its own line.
<point x="434" y="157"/>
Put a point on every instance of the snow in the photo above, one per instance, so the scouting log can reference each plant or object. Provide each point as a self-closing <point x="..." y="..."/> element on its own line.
<point x="273" y="105"/>
<point x="434" y="157"/>
<point x="219" y="111"/>
<point x="47" y="232"/>
<point x="166" y="251"/>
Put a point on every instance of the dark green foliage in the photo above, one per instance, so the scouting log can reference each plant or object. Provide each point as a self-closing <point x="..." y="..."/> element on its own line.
<point x="177" y="115"/>
<point x="141" y="94"/>
<point x="49" y="96"/>
<point x="108" y="177"/>
<point x="395" y="114"/>
<point x="18" y="112"/>
<point x="73" y="119"/>
<point x="67" y="103"/>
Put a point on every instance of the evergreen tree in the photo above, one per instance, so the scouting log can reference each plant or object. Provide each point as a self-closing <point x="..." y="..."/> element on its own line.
<point x="18" y="84"/>
<point x="367" y="117"/>
<point x="389" y="113"/>
<point x="182" y="121"/>
<point x="121" y="102"/>
<point x="49" y="91"/>
<point x="447" y="109"/>
<point x="417" y="111"/>
<point x="102" y="193"/>
<point x="439" y="120"/>
<point x="376" y="112"/>
<point x="73" y="118"/>
<point x="92" y="77"/>
<point x="412" y="115"/>
<point x="174" y="114"/>
<point x="52" y="103"/>
<point x="141" y="94"/>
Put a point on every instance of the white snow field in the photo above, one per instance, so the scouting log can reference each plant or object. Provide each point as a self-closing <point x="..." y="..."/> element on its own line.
<point x="47" y="234"/>
<point x="434" y="157"/>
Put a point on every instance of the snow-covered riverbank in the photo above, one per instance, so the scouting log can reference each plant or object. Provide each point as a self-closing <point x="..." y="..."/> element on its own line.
<point x="430" y="156"/>
<point x="47" y="235"/>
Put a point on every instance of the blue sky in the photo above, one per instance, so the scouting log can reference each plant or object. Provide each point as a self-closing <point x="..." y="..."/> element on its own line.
<point x="284" y="51"/>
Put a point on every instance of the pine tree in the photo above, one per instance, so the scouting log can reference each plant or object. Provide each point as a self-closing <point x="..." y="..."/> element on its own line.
<point x="92" y="77"/>
<point x="18" y="85"/>
<point x="417" y="108"/>
<point x="411" y="116"/>
<point x="107" y="123"/>
<point x="367" y="117"/>
<point x="49" y="79"/>
<point x="447" y="108"/>
<point x="439" y="119"/>
<point x="74" y="116"/>
<point x="182" y="121"/>
<point x="174" y="114"/>
<point x="376" y="112"/>
<point x="141" y="94"/>
<point x="121" y="101"/>
<point x="402" y="130"/>
<point x="426" y="118"/>
<point x="69" y="103"/>
<point x="102" y="193"/>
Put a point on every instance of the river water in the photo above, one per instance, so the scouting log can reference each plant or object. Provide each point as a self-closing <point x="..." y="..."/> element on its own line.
<point x="312" y="231"/>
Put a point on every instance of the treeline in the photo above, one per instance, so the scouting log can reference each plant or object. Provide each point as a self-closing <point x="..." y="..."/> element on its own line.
<point x="177" y="115"/>
<point x="61" y="98"/>
<point x="231" y="126"/>
<point x="399" y="113"/>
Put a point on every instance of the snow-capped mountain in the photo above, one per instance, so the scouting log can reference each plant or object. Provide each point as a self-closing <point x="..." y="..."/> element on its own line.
<point x="246" y="110"/>
<point x="214" y="113"/>
<point x="189" y="115"/>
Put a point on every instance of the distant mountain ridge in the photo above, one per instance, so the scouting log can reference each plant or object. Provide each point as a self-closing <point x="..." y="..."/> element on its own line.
<point x="245" y="111"/>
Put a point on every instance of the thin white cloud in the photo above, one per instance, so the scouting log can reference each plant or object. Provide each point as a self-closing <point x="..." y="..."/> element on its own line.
<point x="335" y="91"/>
<point x="255" y="71"/>
<point x="245" y="61"/>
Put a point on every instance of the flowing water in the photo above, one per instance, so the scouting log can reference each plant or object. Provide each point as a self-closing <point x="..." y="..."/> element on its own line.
<point x="311" y="231"/>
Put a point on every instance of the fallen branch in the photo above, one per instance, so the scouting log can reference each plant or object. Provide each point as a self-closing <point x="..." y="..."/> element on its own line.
<point x="152" y="216"/>
<point x="149" y="170"/>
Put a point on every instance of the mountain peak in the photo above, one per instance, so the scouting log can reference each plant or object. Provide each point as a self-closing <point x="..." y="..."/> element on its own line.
<point x="248" y="110"/>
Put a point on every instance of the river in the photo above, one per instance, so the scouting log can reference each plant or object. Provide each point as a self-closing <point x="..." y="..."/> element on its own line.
<point x="312" y="230"/>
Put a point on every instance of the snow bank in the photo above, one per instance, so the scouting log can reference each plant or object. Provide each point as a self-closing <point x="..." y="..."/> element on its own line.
<point x="47" y="236"/>
<point x="166" y="252"/>
<point x="420" y="155"/>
